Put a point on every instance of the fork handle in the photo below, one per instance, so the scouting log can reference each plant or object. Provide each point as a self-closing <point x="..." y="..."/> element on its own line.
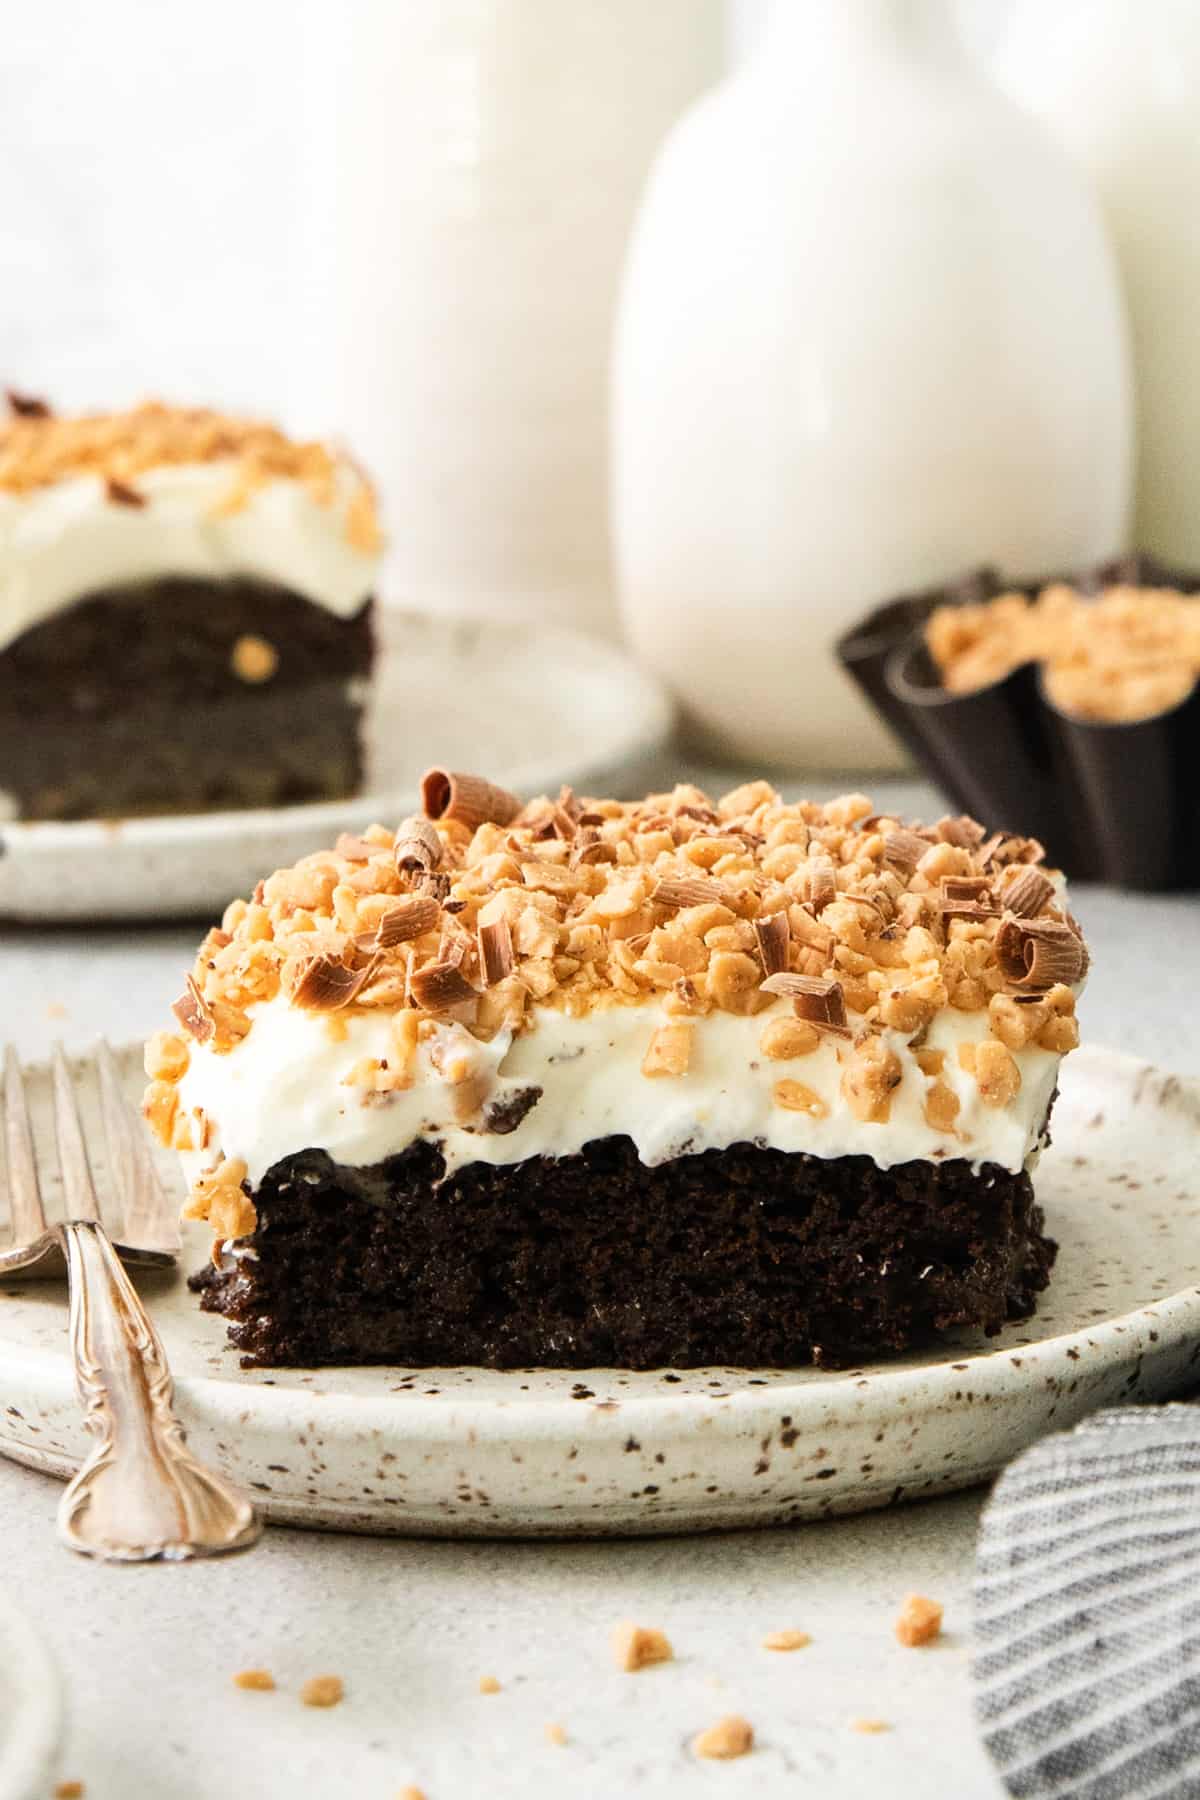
<point x="141" y="1495"/>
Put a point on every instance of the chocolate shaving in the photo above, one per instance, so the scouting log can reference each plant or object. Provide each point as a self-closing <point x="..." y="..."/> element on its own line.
<point x="591" y="848"/>
<point x="408" y="918"/>
<point x="27" y="406"/>
<point x="692" y="891"/>
<point x="192" y="1011"/>
<point x="468" y="799"/>
<point x="965" y="887"/>
<point x="967" y="897"/>
<point x="456" y="945"/>
<point x="964" y="832"/>
<point x="817" y="999"/>
<point x="705" y="814"/>
<point x="437" y="886"/>
<point x="324" y="984"/>
<point x="903" y="850"/>
<point x="417" y="846"/>
<point x="774" y="935"/>
<point x="439" y="986"/>
<point x="495" y="950"/>
<point x="121" y="494"/>
<point x="822" y="885"/>
<point x="353" y="849"/>
<point x="1029" y="894"/>
<point x="1037" y="954"/>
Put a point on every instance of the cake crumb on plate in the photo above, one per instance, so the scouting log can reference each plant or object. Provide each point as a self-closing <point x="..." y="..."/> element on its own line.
<point x="729" y="1737"/>
<point x="257" y="1680"/>
<point x="69" y="1790"/>
<point x="323" y="1690"/>
<point x="919" y="1621"/>
<point x="488" y="1684"/>
<point x="637" y="1646"/>
<point x="869" y="1726"/>
<point x="786" y="1640"/>
<point x="556" y="1734"/>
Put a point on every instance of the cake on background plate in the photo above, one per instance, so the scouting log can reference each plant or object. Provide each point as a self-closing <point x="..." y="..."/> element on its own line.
<point x="185" y="614"/>
<point x="584" y="1082"/>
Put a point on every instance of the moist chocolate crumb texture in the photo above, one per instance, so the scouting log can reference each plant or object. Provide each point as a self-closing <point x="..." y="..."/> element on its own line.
<point x="185" y="603"/>
<point x="665" y="1082"/>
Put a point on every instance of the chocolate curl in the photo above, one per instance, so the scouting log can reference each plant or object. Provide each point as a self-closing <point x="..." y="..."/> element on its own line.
<point x="693" y="891"/>
<point x="122" y="494"/>
<point x="903" y="850"/>
<point x="495" y="950"/>
<point x="27" y="406"/>
<point x="822" y="885"/>
<point x="467" y="799"/>
<point x="774" y="935"/>
<point x="325" y="985"/>
<point x="418" y="848"/>
<point x="1029" y="894"/>
<point x="1037" y="954"/>
<point x="817" y="999"/>
<point x="408" y="918"/>
<point x="440" y="986"/>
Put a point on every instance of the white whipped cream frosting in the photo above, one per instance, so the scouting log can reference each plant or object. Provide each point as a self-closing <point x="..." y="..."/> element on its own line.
<point x="61" y="542"/>
<point x="283" y="1088"/>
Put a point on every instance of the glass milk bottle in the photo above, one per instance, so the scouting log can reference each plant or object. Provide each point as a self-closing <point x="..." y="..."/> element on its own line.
<point x="480" y="166"/>
<point x="870" y="335"/>
<point x="1118" y="82"/>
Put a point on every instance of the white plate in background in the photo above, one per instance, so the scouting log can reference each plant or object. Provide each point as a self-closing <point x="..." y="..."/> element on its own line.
<point x="605" y="1452"/>
<point x="528" y="706"/>
<point x="30" y="1704"/>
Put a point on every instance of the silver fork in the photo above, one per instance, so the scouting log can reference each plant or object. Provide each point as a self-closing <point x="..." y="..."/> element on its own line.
<point x="141" y="1495"/>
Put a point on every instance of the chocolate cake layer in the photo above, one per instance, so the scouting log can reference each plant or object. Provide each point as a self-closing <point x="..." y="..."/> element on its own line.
<point x="131" y="702"/>
<point x="743" y="1256"/>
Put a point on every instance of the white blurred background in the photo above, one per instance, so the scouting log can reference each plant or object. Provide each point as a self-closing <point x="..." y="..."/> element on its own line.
<point x="162" y="198"/>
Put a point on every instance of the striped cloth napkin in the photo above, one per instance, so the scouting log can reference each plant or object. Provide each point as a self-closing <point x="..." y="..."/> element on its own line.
<point x="1087" y="1611"/>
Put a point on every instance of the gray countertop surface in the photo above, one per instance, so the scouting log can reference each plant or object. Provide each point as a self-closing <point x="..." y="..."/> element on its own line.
<point x="148" y="1654"/>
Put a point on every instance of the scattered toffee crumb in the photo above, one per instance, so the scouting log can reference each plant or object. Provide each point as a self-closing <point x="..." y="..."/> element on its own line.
<point x="637" y="1646"/>
<point x="786" y="1640"/>
<point x="919" y="1621"/>
<point x="258" y="1680"/>
<point x="323" y="1690"/>
<point x="869" y="1726"/>
<point x="488" y="1684"/>
<point x="411" y="1793"/>
<point x="556" y="1734"/>
<point x="56" y="1010"/>
<point x="69" y="1790"/>
<point x="729" y="1737"/>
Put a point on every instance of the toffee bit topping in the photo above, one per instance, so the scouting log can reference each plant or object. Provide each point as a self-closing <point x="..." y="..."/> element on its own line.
<point x="817" y="999"/>
<point x="193" y="1013"/>
<point x="440" y="986"/>
<point x="773" y="934"/>
<point x="495" y="950"/>
<point x="122" y="494"/>
<point x="27" y="406"/>
<point x="1037" y="954"/>
<point x="410" y="917"/>
<point x="468" y="800"/>
<point x="903" y="850"/>
<point x="636" y="1647"/>
<point x="417" y="846"/>
<point x="353" y="849"/>
<point x="323" y="984"/>
<point x="692" y="892"/>
<point x="1029" y="894"/>
<point x="729" y="1737"/>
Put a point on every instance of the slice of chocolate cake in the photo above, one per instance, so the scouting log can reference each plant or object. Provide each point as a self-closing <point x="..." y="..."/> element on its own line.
<point x="185" y="614"/>
<point x="662" y="1083"/>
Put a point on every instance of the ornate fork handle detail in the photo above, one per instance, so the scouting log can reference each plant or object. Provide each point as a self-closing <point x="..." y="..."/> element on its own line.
<point x="141" y="1495"/>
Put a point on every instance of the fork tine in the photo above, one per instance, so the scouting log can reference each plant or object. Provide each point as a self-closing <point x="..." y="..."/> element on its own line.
<point x="28" y="1213"/>
<point x="79" y="1195"/>
<point x="150" y="1222"/>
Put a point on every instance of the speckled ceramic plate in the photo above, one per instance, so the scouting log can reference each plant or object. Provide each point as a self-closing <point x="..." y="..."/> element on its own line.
<point x="473" y="1452"/>
<point x="529" y="707"/>
<point x="30" y="1706"/>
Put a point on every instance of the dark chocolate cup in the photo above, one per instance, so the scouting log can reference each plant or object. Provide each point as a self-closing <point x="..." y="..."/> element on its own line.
<point x="1117" y="803"/>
